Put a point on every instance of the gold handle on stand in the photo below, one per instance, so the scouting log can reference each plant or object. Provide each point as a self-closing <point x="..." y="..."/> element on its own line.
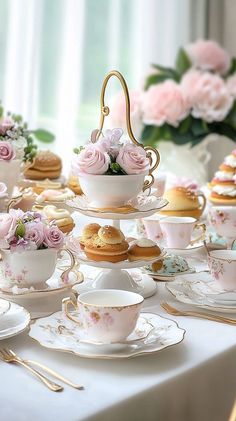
<point x="72" y="268"/>
<point x="201" y="237"/>
<point x="152" y="154"/>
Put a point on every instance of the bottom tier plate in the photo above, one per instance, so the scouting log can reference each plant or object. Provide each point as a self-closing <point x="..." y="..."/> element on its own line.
<point x="59" y="333"/>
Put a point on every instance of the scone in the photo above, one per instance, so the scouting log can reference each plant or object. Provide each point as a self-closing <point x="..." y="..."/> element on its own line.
<point x="87" y="233"/>
<point x="61" y="217"/>
<point x="46" y="164"/>
<point x="107" y="245"/>
<point x="143" y="249"/>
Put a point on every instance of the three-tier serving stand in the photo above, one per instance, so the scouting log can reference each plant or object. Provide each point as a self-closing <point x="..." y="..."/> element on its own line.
<point x="117" y="275"/>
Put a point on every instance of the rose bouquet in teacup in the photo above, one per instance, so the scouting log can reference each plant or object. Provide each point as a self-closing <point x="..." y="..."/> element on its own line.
<point x="29" y="248"/>
<point x="111" y="170"/>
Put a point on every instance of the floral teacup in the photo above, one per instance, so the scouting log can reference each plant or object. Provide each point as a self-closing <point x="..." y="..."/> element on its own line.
<point x="223" y="220"/>
<point x="106" y="315"/>
<point x="32" y="268"/>
<point x="152" y="228"/>
<point x="178" y="231"/>
<point x="222" y="264"/>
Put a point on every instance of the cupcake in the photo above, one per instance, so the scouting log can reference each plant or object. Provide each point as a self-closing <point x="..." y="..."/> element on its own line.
<point x="61" y="217"/>
<point x="169" y="266"/>
<point x="107" y="245"/>
<point x="143" y="249"/>
<point x="87" y="233"/>
<point x="46" y="164"/>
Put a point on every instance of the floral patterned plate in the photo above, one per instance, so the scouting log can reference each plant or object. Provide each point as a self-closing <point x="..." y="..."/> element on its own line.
<point x="170" y="276"/>
<point x="199" y="290"/>
<point x="14" y="321"/>
<point x="59" y="333"/>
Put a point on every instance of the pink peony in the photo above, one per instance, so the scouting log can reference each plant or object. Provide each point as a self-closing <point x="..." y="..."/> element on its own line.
<point x="164" y="103"/>
<point x="6" y="151"/>
<point x="91" y="160"/>
<point x="208" y="55"/>
<point x="5" y="125"/>
<point x="132" y="159"/>
<point x="118" y="111"/>
<point x="53" y="237"/>
<point x="34" y="232"/>
<point x="207" y="94"/>
<point x="3" y="190"/>
<point x="231" y="84"/>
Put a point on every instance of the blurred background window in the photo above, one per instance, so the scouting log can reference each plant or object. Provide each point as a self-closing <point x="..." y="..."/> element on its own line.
<point x="54" y="54"/>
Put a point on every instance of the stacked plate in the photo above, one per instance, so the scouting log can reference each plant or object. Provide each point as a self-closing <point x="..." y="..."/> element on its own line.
<point x="198" y="289"/>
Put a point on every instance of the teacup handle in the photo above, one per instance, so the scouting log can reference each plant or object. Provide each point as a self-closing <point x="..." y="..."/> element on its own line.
<point x="203" y="205"/>
<point x="72" y="268"/>
<point x="201" y="237"/>
<point x="65" y="303"/>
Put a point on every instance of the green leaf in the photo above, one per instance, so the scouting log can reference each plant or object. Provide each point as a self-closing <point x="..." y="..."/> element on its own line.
<point x="115" y="167"/>
<point x="43" y="135"/>
<point x="185" y="125"/>
<point x="231" y="118"/>
<point x="199" y="127"/>
<point x="223" y="129"/>
<point x="151" y="135"/>
<point x="183" y="62"/>
<point x="20" y="230"/>
<point x="168" y="71"/>
<point x="1" y="111"/>
<point x="232" y="68"/>
<point x="157" y="78"/>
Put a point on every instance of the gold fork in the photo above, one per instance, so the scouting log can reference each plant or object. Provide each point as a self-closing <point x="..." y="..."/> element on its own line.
<point x="8" y="357"/>
<point x="175" y="312"/>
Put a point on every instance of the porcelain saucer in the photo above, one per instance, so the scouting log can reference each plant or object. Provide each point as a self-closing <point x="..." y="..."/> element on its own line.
<point x="4" y="306"/>
<point x="168" y="277"/>
<point x="48" y="333"/>
<point x="197" y="290"/>
<point x="14" y="321"/>
<point x="188" y="251"/>
<point x="140" y="207"/>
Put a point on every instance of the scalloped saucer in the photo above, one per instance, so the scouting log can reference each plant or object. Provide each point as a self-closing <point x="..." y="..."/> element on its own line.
<point x="57" y="332"/>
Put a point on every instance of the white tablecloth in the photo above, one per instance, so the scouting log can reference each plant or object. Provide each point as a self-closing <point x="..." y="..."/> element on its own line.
<point x="192" y="381"/>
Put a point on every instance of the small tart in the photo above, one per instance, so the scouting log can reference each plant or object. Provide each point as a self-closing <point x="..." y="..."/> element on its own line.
<point x="141" y="251"/>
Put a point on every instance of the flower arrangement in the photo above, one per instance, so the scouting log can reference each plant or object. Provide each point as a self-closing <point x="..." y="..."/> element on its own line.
<point x="21" y="231"/>
<point x="110" y="156"/>
<point x="186" y="103"/>
<point x="16" y="141"/>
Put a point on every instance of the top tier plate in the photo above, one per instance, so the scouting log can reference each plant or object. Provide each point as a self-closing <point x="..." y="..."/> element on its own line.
<point x="140" y="207"/>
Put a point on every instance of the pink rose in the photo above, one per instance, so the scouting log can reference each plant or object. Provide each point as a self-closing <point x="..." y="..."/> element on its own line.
<point x="117" y="115"/>
<point x="208" y="55"/>
<point x="34" y="232"/>
<point x="164" y="103"/>
<point x="53" y="237"/>
<point x="231" y="85"/>
<point x="3" y="190"/>
<point x="5" y="125"/>
<point x="7" y="225"/>
<point x="133" y="159"/>
<point x="6" y="151"/>
<point x="91" y="160"/>
<point x="207" y="94"/>
<point x="110" y="142"/>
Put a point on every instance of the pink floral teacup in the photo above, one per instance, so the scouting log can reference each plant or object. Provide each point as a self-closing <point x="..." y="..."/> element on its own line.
<point x="106" y="315"/>
<point x="152" y="228"/>
<point x="223" y="220"/>
<point x="178" y="231"/>
<point x="222" y="265"/>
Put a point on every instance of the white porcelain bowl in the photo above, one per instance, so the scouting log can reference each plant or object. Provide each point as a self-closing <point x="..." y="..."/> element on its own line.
<point x="29" y="268"/>
<point x="222" y="265"/>
<point x="111" y="190"/>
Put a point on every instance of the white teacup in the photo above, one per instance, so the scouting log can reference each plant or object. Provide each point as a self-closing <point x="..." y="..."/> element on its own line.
<point x="178" y="231"/>
<point x="152" y="228"/>
<point x="222" y="265"/>
<point x="106" y="315"/>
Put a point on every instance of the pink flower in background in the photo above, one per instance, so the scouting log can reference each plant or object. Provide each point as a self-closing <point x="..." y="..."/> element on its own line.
<point x="34" y="232"/>
<point x="207" y="94"/>
<point x="164" y="103"/>
<point x="132" y="159"/>
<point x="54" y="237"/>
<point x="118" y="111"/>
<point x="5" y="125"/>
<point x="91" y="160"/>
<point x="3" y="190"/>
<point x="231" y="84"/>
<point x="208" y="55"/>
<point x="7" y="225"/>
<point x="6" y="151"/>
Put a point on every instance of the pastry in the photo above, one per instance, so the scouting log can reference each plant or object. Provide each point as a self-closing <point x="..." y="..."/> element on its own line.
<point x="46" y="164"/>
<point x="87" y="233"/>
<point x="170" y="265"/>
<point x="61" y="217"/>
<point x="51" y="195"/>
<point x="73" y="184"/>
<point x="46" y="184"/>
<point x="183" y="202"/>
<point x="223" y="184"/>
<point x="107" y="245"/>
<point x="143" y="249"/>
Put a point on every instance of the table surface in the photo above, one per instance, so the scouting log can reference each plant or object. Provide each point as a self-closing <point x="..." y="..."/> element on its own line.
<point x="194" y="380"/>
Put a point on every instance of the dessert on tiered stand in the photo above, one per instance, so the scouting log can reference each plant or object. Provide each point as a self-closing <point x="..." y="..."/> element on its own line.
<point x="184" y="201"/>
<point x="223" y="184"/>
<point x="112" y="174"/>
